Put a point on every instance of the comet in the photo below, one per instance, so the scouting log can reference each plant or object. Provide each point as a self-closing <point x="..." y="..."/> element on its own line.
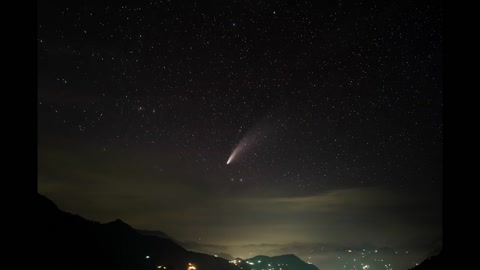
<point x="251" y="138"/>
<point x="235" y="152"/>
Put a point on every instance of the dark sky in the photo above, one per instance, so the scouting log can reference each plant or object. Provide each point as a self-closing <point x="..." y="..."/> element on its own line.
<point x="329" y="115"/>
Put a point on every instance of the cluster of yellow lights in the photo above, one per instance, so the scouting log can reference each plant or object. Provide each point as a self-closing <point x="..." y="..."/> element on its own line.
<point x="161" y="267"/>
<point x="236" y="262"/>
<point x="191" y="266"/>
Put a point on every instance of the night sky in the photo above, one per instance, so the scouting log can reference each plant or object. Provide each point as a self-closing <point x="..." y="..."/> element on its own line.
<point x="328" y="113"/>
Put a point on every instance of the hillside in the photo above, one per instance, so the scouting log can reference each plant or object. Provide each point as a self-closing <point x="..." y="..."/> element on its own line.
<point x="68" y="241"/>
<point x="284" y="262"/>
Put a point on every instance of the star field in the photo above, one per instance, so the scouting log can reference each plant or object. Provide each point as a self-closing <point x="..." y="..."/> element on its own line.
<point x="344" y="96"/>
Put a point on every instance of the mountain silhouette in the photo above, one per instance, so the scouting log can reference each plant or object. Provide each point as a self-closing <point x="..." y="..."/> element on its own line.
<point x="72" y="242"/>
<point x="69" y="241"/>
<point x="285" y="262"/>
<point x="159" y="234"/>
<point x="434" y="262"/>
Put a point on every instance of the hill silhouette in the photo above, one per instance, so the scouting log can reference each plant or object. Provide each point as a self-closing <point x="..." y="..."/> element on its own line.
<point x="159" y="234"/>
<point x="69" y="241"/>
<point x="434" y="262"/>
<point x="72" y="242"/>
<point x="285" y="262"/>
